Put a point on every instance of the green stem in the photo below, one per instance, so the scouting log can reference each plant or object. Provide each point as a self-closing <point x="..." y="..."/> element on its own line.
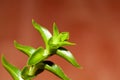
<point x="32" y="71"/>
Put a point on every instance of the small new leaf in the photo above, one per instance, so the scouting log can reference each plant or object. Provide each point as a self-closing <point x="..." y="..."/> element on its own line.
<point x="50" y="66"/>
<point x="25" y="49"/>
<point x="55" y="30"/>
<point x="63" y="36"/>
<point x="65" y="43"/>
<point x="59" y="40"/>
<point x="67" y="55"/>
<point x="14" y="72"/>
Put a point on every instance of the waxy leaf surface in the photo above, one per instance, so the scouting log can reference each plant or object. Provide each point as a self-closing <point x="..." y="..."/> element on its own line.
<point x="46" y="35"/>
<point x="67" y="55"/>
<point x="14" y="72"/>
<point x="39" y="55"/>
<point x="26" y="49"/>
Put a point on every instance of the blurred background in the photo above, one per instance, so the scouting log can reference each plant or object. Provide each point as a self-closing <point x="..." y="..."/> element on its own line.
<point x="94" y="25"/>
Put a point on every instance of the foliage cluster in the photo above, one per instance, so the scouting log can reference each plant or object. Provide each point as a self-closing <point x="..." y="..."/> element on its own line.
<point x="37" y="57"/>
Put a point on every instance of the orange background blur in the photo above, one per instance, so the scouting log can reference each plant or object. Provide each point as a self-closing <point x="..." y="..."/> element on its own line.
<point x="94" y="25"/>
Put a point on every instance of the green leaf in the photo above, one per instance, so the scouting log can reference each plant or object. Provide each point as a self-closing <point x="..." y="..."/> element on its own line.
<point x="56" y="44"/>
<point x="26" y="49"/>
<point x="46" y="35"/>
<point x="67" y="55"/>
<point x="60" y="38"/>
<point x="63" y="36"/>
<point x="39" y="55"/>
<point x="50" y="66"/>
<point x="15" y="72"/>
<point x="55" y="30"/>
<point x="65" y="43"/>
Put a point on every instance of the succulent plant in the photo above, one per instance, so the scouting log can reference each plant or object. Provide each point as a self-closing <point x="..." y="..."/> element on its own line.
<point x="37" y="57"/>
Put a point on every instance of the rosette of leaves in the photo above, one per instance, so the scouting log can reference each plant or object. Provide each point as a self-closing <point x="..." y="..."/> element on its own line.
<point x="37" y="57"/>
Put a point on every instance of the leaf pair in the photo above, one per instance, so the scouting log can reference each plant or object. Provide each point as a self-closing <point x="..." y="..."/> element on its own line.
<point x="37" y="62"/>
<point x="36" y="56"/>
<point x="45" y="65"/>
<point x="56" y="42"/>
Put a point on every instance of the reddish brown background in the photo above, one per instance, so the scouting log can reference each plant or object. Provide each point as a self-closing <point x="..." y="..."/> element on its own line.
<point x="93" y="24"/>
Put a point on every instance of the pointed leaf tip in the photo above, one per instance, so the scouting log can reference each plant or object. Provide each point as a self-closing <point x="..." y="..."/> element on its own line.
<point x="67" y="55"/>
<point x="55" y="30"/>
<point x="28" y="50"/>
<point x="55" y="69"/>
<point x="46" y="35"/>
<point x="32" y="20"/>
<point x="14" y="71"/>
